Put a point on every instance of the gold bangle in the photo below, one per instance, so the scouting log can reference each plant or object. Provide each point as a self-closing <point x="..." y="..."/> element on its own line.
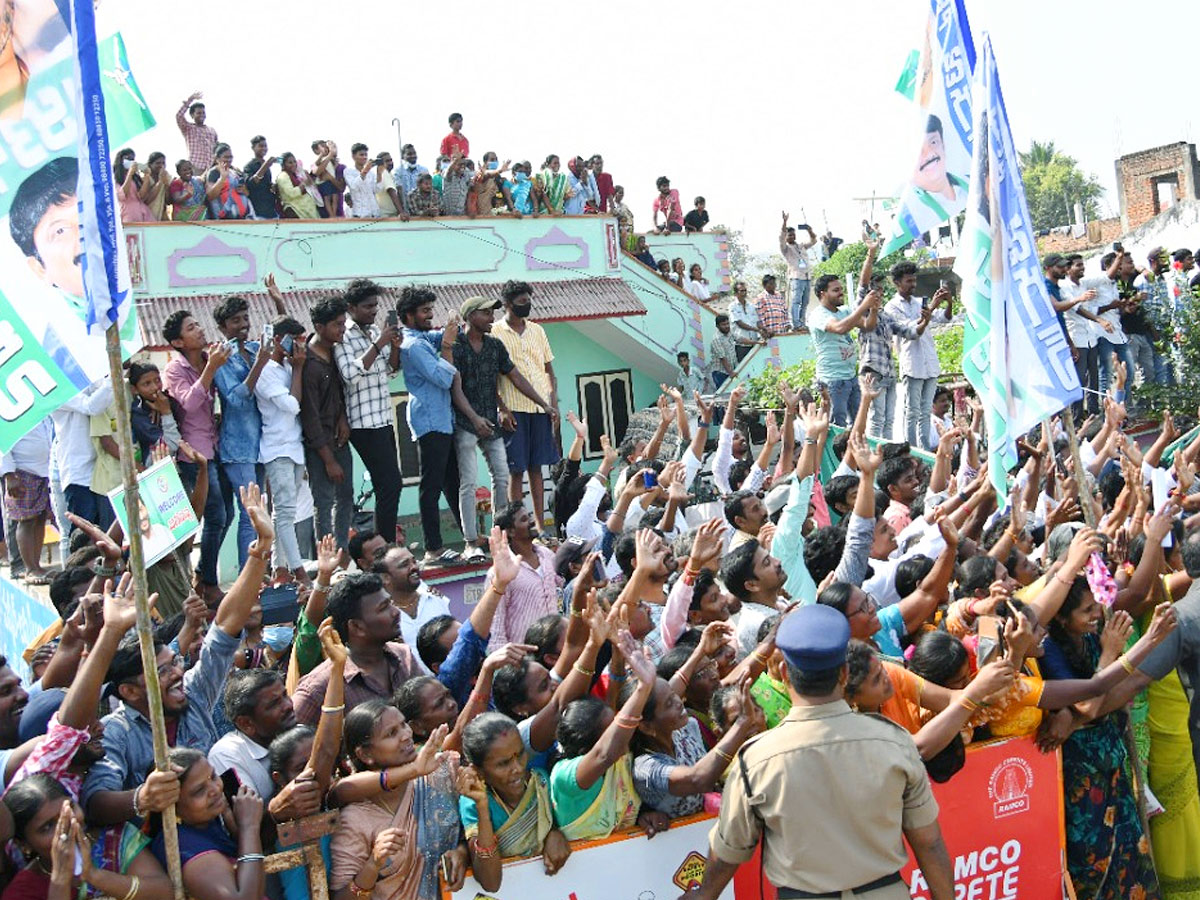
<point x="333" y="709"/>
<point x="359" y="891"/>
<point x="582" y="671"/>
<point x="968" y="703"/>
<point x="576" y="613"/>
<point x="134" y="886"/>
<point x="728" y="757"/>
<point x="1125" y="664"/>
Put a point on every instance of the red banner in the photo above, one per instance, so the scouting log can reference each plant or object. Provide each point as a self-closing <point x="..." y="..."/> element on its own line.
<point x="1002" y="820"/>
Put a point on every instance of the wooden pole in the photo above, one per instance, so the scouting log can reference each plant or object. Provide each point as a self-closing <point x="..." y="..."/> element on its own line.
<point x="145" y="628"/>
<point x="1085" y="498"/>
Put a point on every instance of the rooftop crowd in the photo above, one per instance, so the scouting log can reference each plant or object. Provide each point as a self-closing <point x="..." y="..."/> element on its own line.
<point x="618" y="662"/>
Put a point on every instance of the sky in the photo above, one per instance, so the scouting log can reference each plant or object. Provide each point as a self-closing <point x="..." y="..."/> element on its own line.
<point x="759" y="106"/>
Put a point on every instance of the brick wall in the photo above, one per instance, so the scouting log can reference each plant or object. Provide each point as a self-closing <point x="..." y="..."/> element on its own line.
<point x="1139" y="175"/>
<point x="1101" y="233"/>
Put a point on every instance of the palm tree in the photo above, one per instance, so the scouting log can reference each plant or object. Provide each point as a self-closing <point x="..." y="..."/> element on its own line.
<point x="1039" y="154"/>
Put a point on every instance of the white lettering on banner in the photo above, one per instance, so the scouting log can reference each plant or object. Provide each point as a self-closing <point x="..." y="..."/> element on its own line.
<point x="17" y="398"/>
<point x="987" y="874"/>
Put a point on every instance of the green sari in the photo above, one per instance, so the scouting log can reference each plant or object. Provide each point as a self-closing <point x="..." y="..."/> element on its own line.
<point x="554" y="187"/>
<point x="521" y="830"/>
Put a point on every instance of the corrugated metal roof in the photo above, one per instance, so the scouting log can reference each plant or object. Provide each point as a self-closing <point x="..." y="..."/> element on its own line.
<point x="553" y="301"/>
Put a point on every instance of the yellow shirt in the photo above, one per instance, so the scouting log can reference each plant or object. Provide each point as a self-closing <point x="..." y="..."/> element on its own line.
<point x="530" y="353"/>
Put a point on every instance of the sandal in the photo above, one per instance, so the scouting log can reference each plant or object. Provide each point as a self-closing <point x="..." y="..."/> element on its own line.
<point x="445" y="558"/>
<point x="40" y="579"/>
<point x="476" y="554"/>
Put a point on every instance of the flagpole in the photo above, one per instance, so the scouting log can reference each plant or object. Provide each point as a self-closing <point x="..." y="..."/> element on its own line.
<point x="1085" y="497"/>
<point x="145" y="629"/>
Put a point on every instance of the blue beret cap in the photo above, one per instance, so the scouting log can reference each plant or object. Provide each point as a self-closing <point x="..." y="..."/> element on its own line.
<point x="35" y="718"/>
<point x="813" y="638"/>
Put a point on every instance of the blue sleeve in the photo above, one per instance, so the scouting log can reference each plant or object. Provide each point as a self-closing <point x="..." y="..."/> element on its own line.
<point x="111" y="771"/>
<point x="608" y="541"/>
<point x="1053" y="664"/>
<point x="232" y="389"/>
<point x="463" y="662"/>
<point x="203" y="682"/>
<point x="429" y="365"/>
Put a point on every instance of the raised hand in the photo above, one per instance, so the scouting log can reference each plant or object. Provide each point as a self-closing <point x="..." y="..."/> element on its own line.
<point x="471" y="784"/>
<point x="120" y="610"/>
<point x="1116" y="632"/>
<point x="766" y="535"/>
<point x="247" y="808"/>
<point x="708" y="543"/>
<point x="1164" y="622"/>
<point x="637" y="660"/>
<point x="430" y="756"/>
<point x="578" y="425"/>
<point x="608" y="451"/>
<point x="508" y="655"/>
<point x="647" y="544"/>
<point x="327" y="557"/>
<point x="504" y="564"/>
<point x="331" y="643"/>
<point x="714" y="637"/>
<point x="256" y="508"/>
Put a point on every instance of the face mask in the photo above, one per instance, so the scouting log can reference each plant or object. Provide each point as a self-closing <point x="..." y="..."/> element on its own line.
<point x="278" y="637"/>
<point x="521" y="310"/>
<point x="521" y="176"/>
<point x="492" y="166"/>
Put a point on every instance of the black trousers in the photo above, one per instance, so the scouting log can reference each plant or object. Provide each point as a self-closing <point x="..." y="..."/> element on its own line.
<point x="377" y="449"/>
<point x="439" y="477"/>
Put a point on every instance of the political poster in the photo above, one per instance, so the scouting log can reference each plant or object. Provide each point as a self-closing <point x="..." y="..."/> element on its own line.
<point x="165" y="515"/>
<point x="24" y="619"/>
<point x="66" y="96"/>
<point x="624" y="865"/>
<point x="938" y="80"/>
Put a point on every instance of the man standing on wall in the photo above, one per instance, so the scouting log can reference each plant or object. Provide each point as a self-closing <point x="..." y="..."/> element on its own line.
<point x="530" y="441"/>
<point x="795" y="254"/>
<point x="367" y="358"/>
<point x="919" y="366"/>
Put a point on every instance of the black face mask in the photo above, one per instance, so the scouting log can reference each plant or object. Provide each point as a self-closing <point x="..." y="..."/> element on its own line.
<point x="521" y="310"/>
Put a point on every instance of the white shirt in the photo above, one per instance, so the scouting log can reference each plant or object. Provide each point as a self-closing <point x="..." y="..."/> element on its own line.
<point x="1083" y="332"/>
<point x="918" y="357"/>
<point x="31" y="453"/>
<point x="362" y="192"/>
<point x="281" y="434"/>
<point x="73" y="432"/>
<point x="747" y="314"/>
<point x="796" y="257"/>
<point x="429" y="606"/>
<point x="1106" y="293"/>
<point x="697" y="289"/>
<point x="246" y="758"/>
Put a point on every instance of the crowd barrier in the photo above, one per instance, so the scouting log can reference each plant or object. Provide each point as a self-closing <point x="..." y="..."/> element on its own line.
<point x="1001" y="817"/>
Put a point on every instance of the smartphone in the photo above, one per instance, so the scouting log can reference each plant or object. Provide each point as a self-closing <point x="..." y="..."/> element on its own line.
<point x="598" y="573"/>
<point x="231" y="345"/>
<point x="649" y="478"/>
<point x="230" y="784"/>
<point x="393" y="319"/>
<point x="286" y="343"/>
<point x="991" y="640"/>
<point x="268" y="333"/>
<point x="280" y="604"/>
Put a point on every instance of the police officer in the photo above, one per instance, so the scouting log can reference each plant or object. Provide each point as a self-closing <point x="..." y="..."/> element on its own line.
<point x="829" y="791"/>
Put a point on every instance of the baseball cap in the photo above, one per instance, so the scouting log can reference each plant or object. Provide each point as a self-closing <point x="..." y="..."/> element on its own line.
<point x="474" y="304"/>
<point x="573" y="549"/>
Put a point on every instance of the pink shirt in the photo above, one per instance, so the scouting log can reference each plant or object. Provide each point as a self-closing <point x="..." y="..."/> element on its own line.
<point x="669" y="207"/>
<point x="532" y="594"/>
<point x="194" y="405"/>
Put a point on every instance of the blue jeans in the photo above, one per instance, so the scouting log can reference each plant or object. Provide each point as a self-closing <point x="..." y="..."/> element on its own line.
<point x="86" y="504"/>
<point x="883" y="409"/>
<point x="238" y="475"/>
<point x="285" y="476"/>
<point x="918" y="402"/>
<point x="1164" y="372"/>
<point x="214" y="517"/>
<point x="1142" y="352"/>
<point x="845" y="395"/>
<point x="800" y="288"/>
<point x="1125" y="352"/>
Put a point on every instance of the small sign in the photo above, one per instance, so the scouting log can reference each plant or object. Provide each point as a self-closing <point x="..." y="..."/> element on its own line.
<point x="165" y="515"/>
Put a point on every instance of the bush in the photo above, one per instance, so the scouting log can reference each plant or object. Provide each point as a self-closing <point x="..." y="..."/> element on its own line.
<point x="949" y="342"/>
<point x="762" y="390"/>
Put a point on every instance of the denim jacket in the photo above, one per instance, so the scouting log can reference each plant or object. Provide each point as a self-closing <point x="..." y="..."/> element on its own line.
<point x="241" y="423"/>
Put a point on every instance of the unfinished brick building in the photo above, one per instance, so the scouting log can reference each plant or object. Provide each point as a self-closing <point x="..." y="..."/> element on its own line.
<point x="1153" y="180"/>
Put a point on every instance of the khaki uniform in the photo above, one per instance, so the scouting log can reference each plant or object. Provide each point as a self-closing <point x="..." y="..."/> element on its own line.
<point x="830" y="791"/>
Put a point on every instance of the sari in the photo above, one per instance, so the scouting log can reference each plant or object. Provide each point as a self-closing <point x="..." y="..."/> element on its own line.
<point x="113" y="850"/>
<point x="1108" y="856"/>
<point x="522" y="830"/>
<point x="293" y="197"/>
<point x="230" y="203"/>
<point x="613" y="808"/>
<point x="554" y="187"/>
<point x="1171" y="773"/>
<point x="187" y="200"/>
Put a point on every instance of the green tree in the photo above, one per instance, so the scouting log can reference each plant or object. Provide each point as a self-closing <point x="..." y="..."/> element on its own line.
<point x="739" y="251"/>
<point x="1054" y="183"/>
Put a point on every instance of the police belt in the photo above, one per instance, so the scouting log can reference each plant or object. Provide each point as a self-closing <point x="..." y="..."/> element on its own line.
<point x="797" y="894"/>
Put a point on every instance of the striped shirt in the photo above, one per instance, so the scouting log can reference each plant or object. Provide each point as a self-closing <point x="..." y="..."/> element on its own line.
<point x="530" y="353"/>
<point x="368" y="398"/>
<point x="528" y="597"/>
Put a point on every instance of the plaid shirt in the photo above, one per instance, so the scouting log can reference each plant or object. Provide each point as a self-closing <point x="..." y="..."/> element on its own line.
<point x="875" y="347"/>
<point x="419" y="204"/>
<point x="368" y="398"/>
<point x="772" y="313"/>
<point x="200" y="139"/>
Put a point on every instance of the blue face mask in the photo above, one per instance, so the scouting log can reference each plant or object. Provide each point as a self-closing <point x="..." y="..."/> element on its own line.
<point x="521" y="176"/>
<point x="278" y="637"/>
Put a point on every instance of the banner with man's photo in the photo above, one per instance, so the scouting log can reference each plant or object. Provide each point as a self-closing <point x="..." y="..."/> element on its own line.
<point x="938" y="80"/>
<point x="61" y="246"/>
<point x="165" y="515"/>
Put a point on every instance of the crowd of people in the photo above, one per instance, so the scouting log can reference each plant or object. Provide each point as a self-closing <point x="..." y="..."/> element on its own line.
<point x="614" y="667"/>
<point x="208" y="185"/>
<point x="706" y="625"/>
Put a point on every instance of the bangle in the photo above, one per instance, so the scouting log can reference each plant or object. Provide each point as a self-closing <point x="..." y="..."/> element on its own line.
<point x="728" y="757"/>
<point x="1012" y="534"/>
<point x="359" y="891"/>
<point x="104" y="571"/>
<point x="1067" y="581"/>
<point x="618" y="678"/>
<point x="137" y="810"/>
<point x="1126" y="664"/>
<point x="319" y="588"/>
<point x="258" y="551"/>
<point x="484" y="852"/>
<point x="576" y="613"/>
<point x="703" y="424"/>
<point x="968" y="703"/>
<point x="684" y="678"/>
<point x="758" y="657"/>
<point x="971" y="607"/>
<point x="251" y="857"/>
<point x="332" y="709"/>
<point x="383" y="779"/>
<point x="135" y="885"/>
<point x="582" y="671"/>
